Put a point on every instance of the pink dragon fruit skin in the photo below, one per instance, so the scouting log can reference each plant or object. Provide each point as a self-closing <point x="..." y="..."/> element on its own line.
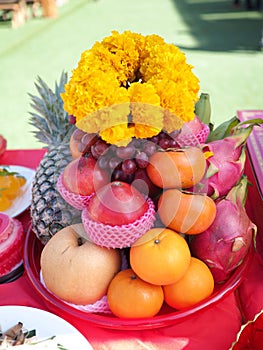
<point x="225" y="166"/>
<point x="226" y="242"/>
<point x="225" y="157"/>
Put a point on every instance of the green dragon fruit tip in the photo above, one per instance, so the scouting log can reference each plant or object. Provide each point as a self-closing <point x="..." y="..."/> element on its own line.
<point x="243" y="129"/>
<point x="233" y="127"/>
<point x="239" y="192"/>
<point x="203" y="108"/>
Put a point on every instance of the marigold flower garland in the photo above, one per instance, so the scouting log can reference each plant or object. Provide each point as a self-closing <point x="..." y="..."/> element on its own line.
<point x="130" y="85"/>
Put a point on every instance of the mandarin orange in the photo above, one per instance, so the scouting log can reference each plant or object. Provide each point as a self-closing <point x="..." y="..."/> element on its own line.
<point x="196" y="285"/>
<point x="161" y="256"/>
<point x="131" y="297"/>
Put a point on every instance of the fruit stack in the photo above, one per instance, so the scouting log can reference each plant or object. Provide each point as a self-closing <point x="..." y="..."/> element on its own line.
<point x="151" y="177"/>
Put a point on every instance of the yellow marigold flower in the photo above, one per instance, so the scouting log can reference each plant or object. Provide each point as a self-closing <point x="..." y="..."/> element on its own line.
<point x="123" y="47"/>
<point x="143" y="93"/>
<point x="136" y="71"/>
<point x="176" y="99"/>
<point x="142" y="131"/>
<point x="104" y="119"/>
<point x="147" y="116"/>
<point x="120" y="134"/>
<point x="147" y="119"/>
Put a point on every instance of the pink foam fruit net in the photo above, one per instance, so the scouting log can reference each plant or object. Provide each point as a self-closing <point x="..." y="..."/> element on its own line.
<point x="77" y="201"/>
<point x="119" y="236"/>
<point x="191" y="139"/>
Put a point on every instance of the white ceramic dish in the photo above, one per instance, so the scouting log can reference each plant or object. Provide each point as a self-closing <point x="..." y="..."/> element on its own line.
<point x="22" y="202"/>
<point x="46" y="325"/>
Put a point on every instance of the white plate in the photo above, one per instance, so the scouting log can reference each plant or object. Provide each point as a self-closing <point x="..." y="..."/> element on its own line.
<point x="22" y="202"/>
<point x="46" y="325"/>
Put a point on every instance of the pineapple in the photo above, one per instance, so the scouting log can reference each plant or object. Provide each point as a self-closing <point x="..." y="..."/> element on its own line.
<point x="49" y="211"/>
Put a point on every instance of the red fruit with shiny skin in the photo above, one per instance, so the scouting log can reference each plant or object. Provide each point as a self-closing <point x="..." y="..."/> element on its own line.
<point x="143" y="184"/>
<point x="224" y="245"/>
<point x="83" y="176"/>
<point x="117" y="203"/>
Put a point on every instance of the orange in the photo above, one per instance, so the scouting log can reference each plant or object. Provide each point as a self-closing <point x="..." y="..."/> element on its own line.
<point x="196" y="285"/>
<point x="22" y="180"/>
<point x="186" y="212"/>
<point x="161" y="256"/>
<point x="10" y="186"/>
<point x="11" y="183"/>
<point x="131" y="297"/>
<point x="5" y="202"/>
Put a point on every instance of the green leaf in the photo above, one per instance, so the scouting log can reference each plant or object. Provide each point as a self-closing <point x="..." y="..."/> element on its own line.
<point x="223" y="130"/>
<point x="5" y="172"/>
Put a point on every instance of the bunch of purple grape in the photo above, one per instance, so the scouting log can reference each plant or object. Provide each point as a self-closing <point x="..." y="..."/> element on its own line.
<point x="126" y="163"/>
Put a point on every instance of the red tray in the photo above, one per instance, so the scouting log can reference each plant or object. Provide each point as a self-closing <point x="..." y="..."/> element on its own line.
<point x="166" y="316"/>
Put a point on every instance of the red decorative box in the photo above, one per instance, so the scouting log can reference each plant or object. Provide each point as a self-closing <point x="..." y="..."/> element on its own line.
<point x="254" y="172"/>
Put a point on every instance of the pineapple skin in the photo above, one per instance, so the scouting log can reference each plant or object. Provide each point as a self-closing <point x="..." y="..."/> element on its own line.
<point x="49" y="211"/>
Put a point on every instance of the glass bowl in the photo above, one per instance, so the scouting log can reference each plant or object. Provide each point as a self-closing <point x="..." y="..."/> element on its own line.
<point x="165" y="317"/>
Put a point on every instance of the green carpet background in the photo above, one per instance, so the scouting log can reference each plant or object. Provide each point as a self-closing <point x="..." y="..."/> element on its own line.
<point x="220" y="41"/>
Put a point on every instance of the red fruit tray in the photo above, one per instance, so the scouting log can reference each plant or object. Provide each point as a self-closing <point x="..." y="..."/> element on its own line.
<point x="166" y="316"/>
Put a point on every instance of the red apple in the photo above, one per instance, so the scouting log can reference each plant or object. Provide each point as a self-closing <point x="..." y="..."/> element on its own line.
<point x="143" y="184"/>
<point x="117" y="203"/>
<point x="83" y="176"/>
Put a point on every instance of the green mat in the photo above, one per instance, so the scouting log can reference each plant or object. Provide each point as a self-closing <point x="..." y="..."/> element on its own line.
<point x="220" y="41"/>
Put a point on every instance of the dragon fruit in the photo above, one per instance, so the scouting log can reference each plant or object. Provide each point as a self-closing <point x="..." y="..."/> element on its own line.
<point x="224" y="166"/>
<point x="226" y="242"/>
<point x="225" y="161"/>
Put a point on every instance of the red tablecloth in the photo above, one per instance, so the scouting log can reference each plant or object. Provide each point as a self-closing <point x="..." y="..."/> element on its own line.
<point x="213" y="328"/>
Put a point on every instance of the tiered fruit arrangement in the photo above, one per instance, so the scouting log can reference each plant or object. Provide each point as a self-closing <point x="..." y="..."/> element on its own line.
<point x="150" y="182"/>
<point x="194" y="242"/>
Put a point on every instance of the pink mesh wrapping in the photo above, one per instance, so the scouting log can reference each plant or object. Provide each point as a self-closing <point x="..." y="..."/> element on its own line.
<point x="101" y="305"/>
<point x="192" y="139"/>
<point x="77" y="201"/>
<point x="119" y="236"/>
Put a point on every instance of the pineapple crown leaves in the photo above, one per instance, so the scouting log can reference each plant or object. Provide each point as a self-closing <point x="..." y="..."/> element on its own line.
<point x="50" y="119"/>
